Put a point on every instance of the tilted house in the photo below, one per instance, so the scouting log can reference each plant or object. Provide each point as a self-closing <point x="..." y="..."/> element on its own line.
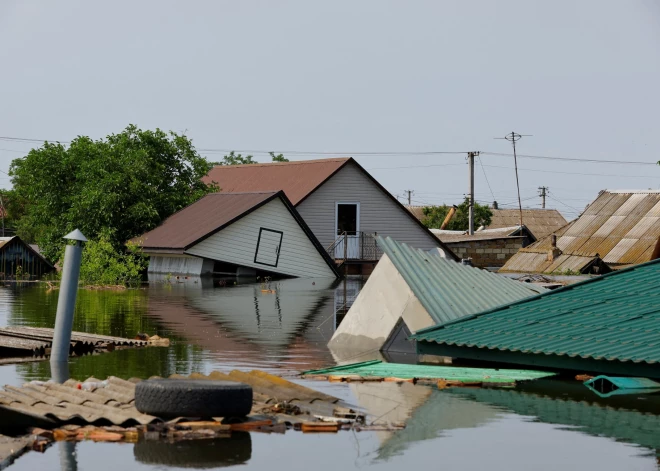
<point x="607" y="325"/>
<point x="230" y="232"/>
<point x="620" y="228"/>
<point x="343" y="205"/>
<point x="411" y="290"/>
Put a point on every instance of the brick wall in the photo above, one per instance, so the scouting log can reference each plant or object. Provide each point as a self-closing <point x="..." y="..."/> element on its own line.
<point x="487" y="253"/>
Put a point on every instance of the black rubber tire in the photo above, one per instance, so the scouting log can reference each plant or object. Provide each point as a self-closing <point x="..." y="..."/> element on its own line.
<point x="200" y="454"/>
<point x="171" y="398"/>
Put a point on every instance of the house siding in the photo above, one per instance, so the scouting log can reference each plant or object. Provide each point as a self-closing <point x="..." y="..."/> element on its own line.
<point x="237" y="243"/>
<point x="378" y="213"/>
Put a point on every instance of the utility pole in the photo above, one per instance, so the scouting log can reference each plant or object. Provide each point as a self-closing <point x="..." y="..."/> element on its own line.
<point x="543" y="192"/>
<point x="2" y="208"/>
<point x="471" y="197"/>
<point x="512" y="137"/>
<point x="409" y="194"/>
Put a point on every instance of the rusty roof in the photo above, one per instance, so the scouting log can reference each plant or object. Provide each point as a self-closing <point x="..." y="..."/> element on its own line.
<point x="619" y="227"/>
<point x="417" y="211"/>
<point x="202" y="218"/>
<point x="298" y="179"/>
<point x="540" y="222"/>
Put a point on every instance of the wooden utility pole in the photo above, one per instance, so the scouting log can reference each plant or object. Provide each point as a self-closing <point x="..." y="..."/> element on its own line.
<point x="471" y="196"/>
<point x="543" y="192"/>
<point x="409" y="194"/>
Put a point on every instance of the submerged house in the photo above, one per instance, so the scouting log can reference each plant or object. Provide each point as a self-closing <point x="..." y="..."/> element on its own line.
<point x="487" y="248"/>
<point x="20" y="260"/>
<point x="411" y="290"/>
<point x="618" y="229"/>
<point x="243" y="233"/>
<point x="607" y="325"/>
<point x="343" y="205"/>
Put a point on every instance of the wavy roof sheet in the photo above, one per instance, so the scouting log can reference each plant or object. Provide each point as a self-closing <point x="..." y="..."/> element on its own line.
<point x="612" y="318"/>
<point x="541" y="222"/>
<point x="620" y="227"/>
<point x="449" y="290"/>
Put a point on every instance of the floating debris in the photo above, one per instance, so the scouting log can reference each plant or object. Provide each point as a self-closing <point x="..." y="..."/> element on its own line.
<point x="443" y="376"/>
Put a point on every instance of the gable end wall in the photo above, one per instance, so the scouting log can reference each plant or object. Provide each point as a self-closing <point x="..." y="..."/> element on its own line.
<point x="378" y="213"/>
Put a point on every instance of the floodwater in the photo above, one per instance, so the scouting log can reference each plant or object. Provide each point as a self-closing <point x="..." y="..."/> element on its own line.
<point x="284" y="327"/>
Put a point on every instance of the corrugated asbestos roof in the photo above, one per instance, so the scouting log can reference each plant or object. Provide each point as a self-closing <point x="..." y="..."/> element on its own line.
<point x="65" y="403"/>
<point x="622" y="228"/>
<point x="297" y="179"/>
<point x="200" y="219"/>
<point x="449" y="290"/>
<point x="541" y="222"/>
<point x="615" y="317"/>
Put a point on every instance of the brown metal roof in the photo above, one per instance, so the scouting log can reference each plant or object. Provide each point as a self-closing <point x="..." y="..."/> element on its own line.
<point x="297" y="179"/>
<point x="201" y="218"/>
<point x="620" y="227"/>
<point x="540" y="222"/>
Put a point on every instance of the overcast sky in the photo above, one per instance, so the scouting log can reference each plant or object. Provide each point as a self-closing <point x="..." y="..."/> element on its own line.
<point x="583" y="77"/>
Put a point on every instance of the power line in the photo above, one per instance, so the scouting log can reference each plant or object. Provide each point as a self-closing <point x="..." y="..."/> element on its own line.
<point x="572" y="173"/>
<point x="486" y="177"/>
<point x="570" y="159"/>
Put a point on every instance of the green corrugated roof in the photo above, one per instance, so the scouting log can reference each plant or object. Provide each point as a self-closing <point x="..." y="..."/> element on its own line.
<point x="449" y="290"/>
<point x="615" y="317"/>
<point x="379" y="369"/>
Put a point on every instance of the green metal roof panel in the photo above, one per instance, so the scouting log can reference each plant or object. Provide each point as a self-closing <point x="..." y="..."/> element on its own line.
<point x="450" y="290"/>
<point x="615" y="317"/>
<point x="376" y="368"/>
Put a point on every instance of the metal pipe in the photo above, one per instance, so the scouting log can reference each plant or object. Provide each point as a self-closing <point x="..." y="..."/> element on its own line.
<point x="66" y="301"/>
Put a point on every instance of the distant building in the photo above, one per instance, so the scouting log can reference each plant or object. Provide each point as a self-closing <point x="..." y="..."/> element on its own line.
<point x="487" y="248"/>
<point x="243" y="233"/>
<point x="19" y="260"/>
<point x="339" y="200"/>
<point x="620" y="228"/>
<point x="540" y="222"/>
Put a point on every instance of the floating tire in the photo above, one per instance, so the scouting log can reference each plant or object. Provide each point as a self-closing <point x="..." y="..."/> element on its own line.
<point x="215" y="453"/>
<point x="170" y="398"/>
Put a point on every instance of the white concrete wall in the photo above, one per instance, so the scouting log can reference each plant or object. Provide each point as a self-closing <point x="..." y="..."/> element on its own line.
<point x="237" y="243"/>
<point x="179" y="265"/>
<point x="384" y="299"/>
<point x="378" y="213"/>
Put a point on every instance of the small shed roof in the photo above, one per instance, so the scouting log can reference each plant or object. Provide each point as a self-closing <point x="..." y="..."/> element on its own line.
<point x="621" y="227"/>
<point x="612" y="318"/>
<point x="202" y="218"/>
<point x="449" y="290"/>
<point x="4" y="241"/>
<point x="541" y="222"/>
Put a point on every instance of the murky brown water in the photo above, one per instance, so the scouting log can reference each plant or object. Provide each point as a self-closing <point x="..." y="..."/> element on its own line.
<point x="545" y="425"/>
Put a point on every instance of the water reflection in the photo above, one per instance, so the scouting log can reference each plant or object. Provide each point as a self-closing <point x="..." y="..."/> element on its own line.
<point x="235" y="449"/>
<point x="431" y="414"/>
<point x="212" y="324"/>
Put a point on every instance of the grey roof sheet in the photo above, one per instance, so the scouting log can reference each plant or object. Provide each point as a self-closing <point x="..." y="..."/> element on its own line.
<point x="449" y="290"/>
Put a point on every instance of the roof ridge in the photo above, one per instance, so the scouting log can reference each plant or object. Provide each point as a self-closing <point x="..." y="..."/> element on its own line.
<point x="294" y="162"/>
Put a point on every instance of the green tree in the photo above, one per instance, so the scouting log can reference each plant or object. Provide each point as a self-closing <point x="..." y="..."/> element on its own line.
<point x="102" y="264"/>
<point x="278" y="157"/>
<point x="121" y="186"/>
<point x="237" y="159"/>
<point x="435" y="215"/>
